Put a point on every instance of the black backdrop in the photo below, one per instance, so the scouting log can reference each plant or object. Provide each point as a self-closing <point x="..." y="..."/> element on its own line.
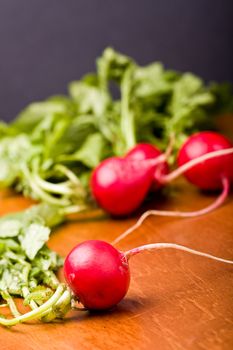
<point x="46" y="43"/>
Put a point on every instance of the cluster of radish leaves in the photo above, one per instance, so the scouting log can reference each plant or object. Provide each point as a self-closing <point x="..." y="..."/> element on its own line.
<point x="27" y="265"/>
<point x="50" y="149"/>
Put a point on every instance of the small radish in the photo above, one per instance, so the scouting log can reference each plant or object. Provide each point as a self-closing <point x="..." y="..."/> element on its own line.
<point x="98" y="273"/>
<point x="120" y="185"/>
<point x="207" y="175"/>
<point x="98" y="276"/>
<point x="145" y="151"/>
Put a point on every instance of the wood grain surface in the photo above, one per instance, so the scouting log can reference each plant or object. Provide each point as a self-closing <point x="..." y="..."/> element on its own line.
<point x="176" y="301"/>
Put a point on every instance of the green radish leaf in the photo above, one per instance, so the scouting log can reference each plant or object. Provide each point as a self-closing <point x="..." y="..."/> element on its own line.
<point x="10" y="228"/>
<point x="33" y="239"/>
<point x="92" y="151"/>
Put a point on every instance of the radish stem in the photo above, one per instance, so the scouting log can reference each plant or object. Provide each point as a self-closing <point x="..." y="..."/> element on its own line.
<point x="37" y="312"/>
<point x="32" y="303"/>
<point x="10" y="302"/>
<point x="58" y="309"/>
<point x="68" y="173"/>
<point x="73" y="209"/>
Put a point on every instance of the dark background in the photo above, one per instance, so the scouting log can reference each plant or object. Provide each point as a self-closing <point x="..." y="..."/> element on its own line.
<point x="46" y="43"/>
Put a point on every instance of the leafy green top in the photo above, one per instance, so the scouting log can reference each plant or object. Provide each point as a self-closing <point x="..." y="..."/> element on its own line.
<point x="48" y="151"/>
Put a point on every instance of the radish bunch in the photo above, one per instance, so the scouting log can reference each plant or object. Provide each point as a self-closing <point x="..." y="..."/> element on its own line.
<point x="120" y="185"/>
<point x="98" y="274"/>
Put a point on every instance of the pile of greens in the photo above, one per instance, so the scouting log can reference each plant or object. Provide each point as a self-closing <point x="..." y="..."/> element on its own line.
<point x="48" y="151"/>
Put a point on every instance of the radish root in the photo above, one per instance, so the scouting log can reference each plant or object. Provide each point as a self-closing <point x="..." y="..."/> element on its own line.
<point x="219" y="201"/>
<point x="153" y="246"/>
<point x="182" y="169"/>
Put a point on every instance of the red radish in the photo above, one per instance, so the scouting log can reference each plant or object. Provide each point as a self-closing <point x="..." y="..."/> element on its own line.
<point x="207" y="175"/>
<point x="97" y="273"/>
<point x="120" y="185"/>
<point x="98" y="276"/>
<point x="145" y="151"/>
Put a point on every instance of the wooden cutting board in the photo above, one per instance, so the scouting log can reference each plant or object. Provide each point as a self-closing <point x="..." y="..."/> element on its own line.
<point x="176" y="301"/>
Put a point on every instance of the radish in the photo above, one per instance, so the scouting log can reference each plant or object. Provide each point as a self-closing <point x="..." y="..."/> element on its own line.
<point x="97" y="273"/>
<point x="120" y="185"/>
<point x="98" y="276"/>
<point x="207" y="175"/>
<point x="145" y="151"/>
